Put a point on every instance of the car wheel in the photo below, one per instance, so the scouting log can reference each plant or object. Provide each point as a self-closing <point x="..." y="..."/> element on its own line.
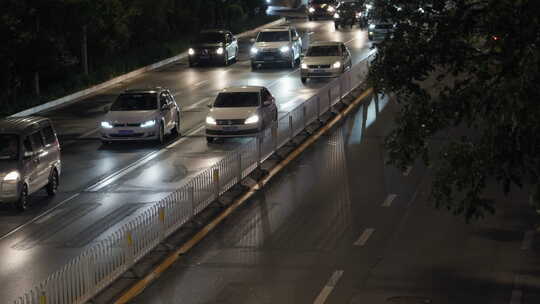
<point x="52" y="186"/>
<point x="22" y="203"/>
<point x="226" y="59"/>
<point x="236" y="55"/>
<point x="370" y="38"/>
<point x="190" y="63"/>
<point x="161" y="135"/>
<point x="254" y="67"/>
<point x="176" y="129"/>
<point x="209" y="139"/>
<point x="310" y="18"/>
<point x="293" y="62"/>
<point x="304" y="79"/>
<point x="336" y="26"/>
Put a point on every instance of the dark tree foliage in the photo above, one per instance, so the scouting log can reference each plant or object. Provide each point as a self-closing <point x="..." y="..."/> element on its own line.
<point x="50" y="45"/>
<point x="470" y="64"/>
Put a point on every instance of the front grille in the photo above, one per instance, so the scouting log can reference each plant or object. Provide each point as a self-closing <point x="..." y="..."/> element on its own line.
<point x="384" y="26"/>
<point x="229" y="122"/>
<point x="133" y="135"/>
<point x="120" y="125"/>
<point x="237" y="132"/>
<point x="320" y="66"/>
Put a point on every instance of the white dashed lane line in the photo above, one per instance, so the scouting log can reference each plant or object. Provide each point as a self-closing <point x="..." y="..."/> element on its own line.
<point x="389" y="199"/>
<point x="327" y="289"/>
<point x="364" y="237"/>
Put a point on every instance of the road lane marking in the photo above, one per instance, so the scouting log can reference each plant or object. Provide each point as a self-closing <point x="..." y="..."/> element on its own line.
<point x="142" y="161"/>
<point x="327" y="289"/>
<point x="37" y="218"/>
<point x="527" y="240"/>
<point x="364" y="237"/>
<point x="197" y="104"/>
<point x="389" y="199"/>
<point x="407" y="171"/>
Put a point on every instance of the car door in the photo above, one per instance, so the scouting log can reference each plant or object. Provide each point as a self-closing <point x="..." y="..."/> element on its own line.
<point x="165" y="109"/>
<point x="297" y="42"/>
<point x="268" y="110"/>
<point x="30" y="165"/>
<point x="174" y="109"/>
<point x="41" y="176"/>
<point x="346" y="57"/>
<point x="231" y="48"/>
<point x="51" y="148"/>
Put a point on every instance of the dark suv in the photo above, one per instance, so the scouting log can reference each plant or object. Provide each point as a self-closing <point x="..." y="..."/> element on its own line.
<point x="321" y="9"/>
<point x="217" y="46"/>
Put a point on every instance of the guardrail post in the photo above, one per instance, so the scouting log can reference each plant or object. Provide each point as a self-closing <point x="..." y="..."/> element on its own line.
<point x="191" y="198"/>
<point x="291" y="131"/>
<point x="215" y="177"/>
<point x="42" y="298"/>
<point x="161" y="215"/>
<point x="129" y="246"/>
<point x="239" y="168"/>
<point x="90" y="271"/>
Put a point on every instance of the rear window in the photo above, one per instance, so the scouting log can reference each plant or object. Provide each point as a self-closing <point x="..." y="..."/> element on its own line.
<point x="323" y="50"/>
<point x="135" y="102"/>
<point x="9" y="150"/>
<point x="238" y="99"/>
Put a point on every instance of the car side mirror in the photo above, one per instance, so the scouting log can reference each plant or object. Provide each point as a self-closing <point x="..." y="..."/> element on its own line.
<point x="267" y="103"/>
<point x="209" y="105"/>
<point x="295" y="38"/>
<point x="106" y="109"/>
<point x="252" y="40"/>
<point x="28" y="154"/>
<point x="165" y="107"/>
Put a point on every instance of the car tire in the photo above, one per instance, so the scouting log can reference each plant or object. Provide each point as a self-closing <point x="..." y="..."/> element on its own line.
<point x="52" y="186"/>
<point x="310" y="18"/>
<point x="254" y="67"/>
<point x="304" y="79"/>
<point x="226" y="59"/>
<point x="236" y="55"/>
<point x="190" y="63"/>
<point x="336" y="26"/>
<point x="370" y="38"/>
<point x="176" y="130"/>
<point x="293" y="62"/>
<point x="161" y="135"/>
<point x="22" y="203"/>
<point x="209" y="139"/>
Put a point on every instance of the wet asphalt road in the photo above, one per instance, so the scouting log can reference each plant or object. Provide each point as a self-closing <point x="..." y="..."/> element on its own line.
<point x="351" y="229"/>
<point x="90" y="204"/>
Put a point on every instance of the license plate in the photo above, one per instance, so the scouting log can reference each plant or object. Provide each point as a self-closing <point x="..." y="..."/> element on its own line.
<point x="318" y="71"/>
<point x="125" y="132"/>
<point x="204" y="56"/>
<point x="230" y="128"/>
<point x="268" y="58"/>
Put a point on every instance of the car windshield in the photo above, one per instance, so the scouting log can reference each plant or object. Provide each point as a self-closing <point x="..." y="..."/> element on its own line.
<point x="350" y="5"/>
<point x="211" y="38"/>
<point x="273" y="36"/>
<point x="135" y="102"/>
<point x="9" y="150"/>
<point x="323" y="50"/>
<point x="321" y="1"/>
<point x="237" y="99"/>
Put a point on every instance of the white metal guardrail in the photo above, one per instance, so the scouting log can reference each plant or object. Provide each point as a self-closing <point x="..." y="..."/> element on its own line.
<point x="85" y="276"/>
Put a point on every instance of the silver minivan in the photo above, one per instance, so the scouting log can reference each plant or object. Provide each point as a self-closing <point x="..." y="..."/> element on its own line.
<point x="29" y="159"/>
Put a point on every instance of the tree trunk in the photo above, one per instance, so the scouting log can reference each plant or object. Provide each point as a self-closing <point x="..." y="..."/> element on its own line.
<point x="84" y="50"/>
<point x="37" y="90"/>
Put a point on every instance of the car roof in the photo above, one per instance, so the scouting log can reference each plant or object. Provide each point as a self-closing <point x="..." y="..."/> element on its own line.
<point x="325" y="43"/>
<point x="144" y="90"/>
<point x="277" y="29"/>
<point x="254" y="89"/>
<point x="22" y="125"/>
<point x="222" y="31"/>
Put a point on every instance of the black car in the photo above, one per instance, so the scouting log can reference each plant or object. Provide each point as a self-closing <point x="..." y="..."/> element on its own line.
<point x="321" y="9"/>
<point x="213" y="46"/>
<point x="349" y="13"/>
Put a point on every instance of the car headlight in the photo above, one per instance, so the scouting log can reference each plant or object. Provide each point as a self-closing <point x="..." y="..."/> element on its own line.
<point x="219" y="51"/>
<point x="254" y="50"/>
<point x="210" y="120"/>
<point x="252" y="119"/>
<point x="12" y="176"/>
<point x="369" y="6"/>
<point x="304" y="65"/>
<point x="336" y="15"/>
<point x="148" y="124"/>
<point x="358" y="15"/>
<point x="191" y="51"/>
<point x="106" y="125"/>
<point x="371" y="26"/>
<point x="331" y="9"/>
<point x="284" y="49"/>
<point x="311" y="9"/>
<point x="336" y="65"/>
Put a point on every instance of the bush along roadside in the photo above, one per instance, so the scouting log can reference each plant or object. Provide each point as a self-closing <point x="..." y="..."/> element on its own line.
<point x="60" y="47"/>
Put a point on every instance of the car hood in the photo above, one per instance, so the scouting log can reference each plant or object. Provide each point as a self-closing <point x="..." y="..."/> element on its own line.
<point x="7" y="166"/>
<point x="207" y="45"/>
<point x="321" y="60"/>
<point x="130" y="116"/>
<point x="232" y="113"/>
<point x="271" y="45"/>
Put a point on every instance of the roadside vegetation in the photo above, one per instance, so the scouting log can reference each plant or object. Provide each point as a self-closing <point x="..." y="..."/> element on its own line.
<point x="483" y="58"/>
<point x="53" y="48"/>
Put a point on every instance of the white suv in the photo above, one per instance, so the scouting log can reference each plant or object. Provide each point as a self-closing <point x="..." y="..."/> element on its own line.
<point x="144" y="114"/>
<point x="276" y="45"/>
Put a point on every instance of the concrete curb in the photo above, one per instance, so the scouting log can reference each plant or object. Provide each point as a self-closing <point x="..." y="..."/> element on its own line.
<point x="78" y="95"/>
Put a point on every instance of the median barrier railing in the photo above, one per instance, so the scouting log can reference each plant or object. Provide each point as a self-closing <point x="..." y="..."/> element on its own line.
<point x="86" y="275"/>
